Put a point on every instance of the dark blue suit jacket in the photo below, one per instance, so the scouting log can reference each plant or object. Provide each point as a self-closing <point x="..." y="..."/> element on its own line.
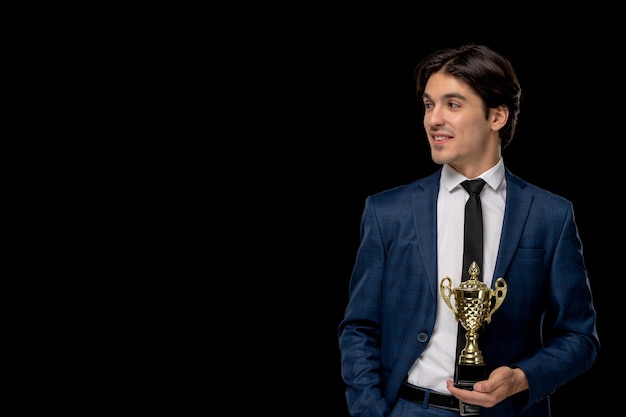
<point x="546" y="324"/>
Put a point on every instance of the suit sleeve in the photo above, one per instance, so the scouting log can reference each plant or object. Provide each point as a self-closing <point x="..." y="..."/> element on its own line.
<point x="359" y="331"/>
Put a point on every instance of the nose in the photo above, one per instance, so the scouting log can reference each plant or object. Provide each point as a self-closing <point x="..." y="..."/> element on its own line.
<point x="434" y="116"/>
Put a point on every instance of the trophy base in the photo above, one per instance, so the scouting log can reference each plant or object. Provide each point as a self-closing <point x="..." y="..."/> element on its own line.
<point x="465" y="376"/>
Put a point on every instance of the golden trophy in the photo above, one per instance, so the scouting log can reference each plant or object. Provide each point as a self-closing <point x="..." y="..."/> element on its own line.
<point x="475" y="303"/>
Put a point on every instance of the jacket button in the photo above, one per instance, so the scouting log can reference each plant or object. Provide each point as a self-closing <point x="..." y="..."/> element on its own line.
<point x="422" y="337"/>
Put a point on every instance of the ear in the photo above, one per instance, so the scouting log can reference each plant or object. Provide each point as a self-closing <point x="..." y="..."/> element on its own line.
<point x="499" y="116"/>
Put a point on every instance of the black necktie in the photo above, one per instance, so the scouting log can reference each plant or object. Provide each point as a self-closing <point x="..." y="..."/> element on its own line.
<point x="473" y="235"/>
<point x="473" y="244"/>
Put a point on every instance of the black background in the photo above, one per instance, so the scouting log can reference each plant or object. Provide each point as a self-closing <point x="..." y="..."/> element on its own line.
<point x="330" y="115"/>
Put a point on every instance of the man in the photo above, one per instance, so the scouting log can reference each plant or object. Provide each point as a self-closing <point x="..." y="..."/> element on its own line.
<point x="398" y="337"/>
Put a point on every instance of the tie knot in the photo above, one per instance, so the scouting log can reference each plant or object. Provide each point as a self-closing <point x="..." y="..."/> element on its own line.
<point x="473" y="186"/>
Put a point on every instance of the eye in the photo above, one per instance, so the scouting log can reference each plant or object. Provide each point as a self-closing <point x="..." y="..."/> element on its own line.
<point x="428" y="105"/>
<point x="454" y="105"/>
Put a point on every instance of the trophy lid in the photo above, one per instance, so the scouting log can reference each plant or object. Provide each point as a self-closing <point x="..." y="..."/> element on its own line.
<point x="473" y="283"/>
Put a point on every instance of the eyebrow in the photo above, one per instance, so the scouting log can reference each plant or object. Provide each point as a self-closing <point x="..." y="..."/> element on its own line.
<point x="447" y="96"/>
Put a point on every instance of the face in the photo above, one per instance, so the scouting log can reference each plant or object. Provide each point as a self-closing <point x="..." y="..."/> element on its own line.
<point x="458" y="131"/>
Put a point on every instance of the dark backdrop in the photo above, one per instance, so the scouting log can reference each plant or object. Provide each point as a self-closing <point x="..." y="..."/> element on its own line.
<point x="335" y="118"/>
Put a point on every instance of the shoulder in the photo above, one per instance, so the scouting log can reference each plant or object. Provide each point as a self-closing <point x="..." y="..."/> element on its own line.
<point x="421" y="187"/>
<point x="519" y="188"/>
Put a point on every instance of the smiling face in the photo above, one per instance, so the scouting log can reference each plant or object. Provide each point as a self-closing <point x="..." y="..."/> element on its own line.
<point x="459" y="132"/>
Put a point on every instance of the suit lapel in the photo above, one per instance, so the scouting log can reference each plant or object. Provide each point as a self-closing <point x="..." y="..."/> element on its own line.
<point x="425" y="218"/>
<point x="516" y="211"/>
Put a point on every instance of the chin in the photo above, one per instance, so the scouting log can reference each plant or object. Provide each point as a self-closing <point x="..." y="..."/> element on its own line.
<point x="438" y="158"/>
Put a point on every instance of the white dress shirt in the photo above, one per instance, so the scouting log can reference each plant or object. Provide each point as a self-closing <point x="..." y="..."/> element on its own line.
<point x="437" y="362"/>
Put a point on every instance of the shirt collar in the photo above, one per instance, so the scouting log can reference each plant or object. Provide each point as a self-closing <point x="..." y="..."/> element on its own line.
<point x="494" y="176"/>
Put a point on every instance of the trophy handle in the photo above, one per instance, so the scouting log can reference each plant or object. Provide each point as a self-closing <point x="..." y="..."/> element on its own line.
<point x="499" y="293"/>
<point x="446" y="291"/>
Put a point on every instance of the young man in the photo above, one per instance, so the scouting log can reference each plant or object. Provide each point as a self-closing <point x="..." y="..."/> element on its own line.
<point x="398" y="337"/>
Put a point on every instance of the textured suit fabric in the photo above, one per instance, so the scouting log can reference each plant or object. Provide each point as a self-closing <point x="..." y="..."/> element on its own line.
<point x="394" y="288"/>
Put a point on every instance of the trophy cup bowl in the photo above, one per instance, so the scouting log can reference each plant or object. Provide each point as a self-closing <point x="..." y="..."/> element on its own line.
<point x="474" y="304"/>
